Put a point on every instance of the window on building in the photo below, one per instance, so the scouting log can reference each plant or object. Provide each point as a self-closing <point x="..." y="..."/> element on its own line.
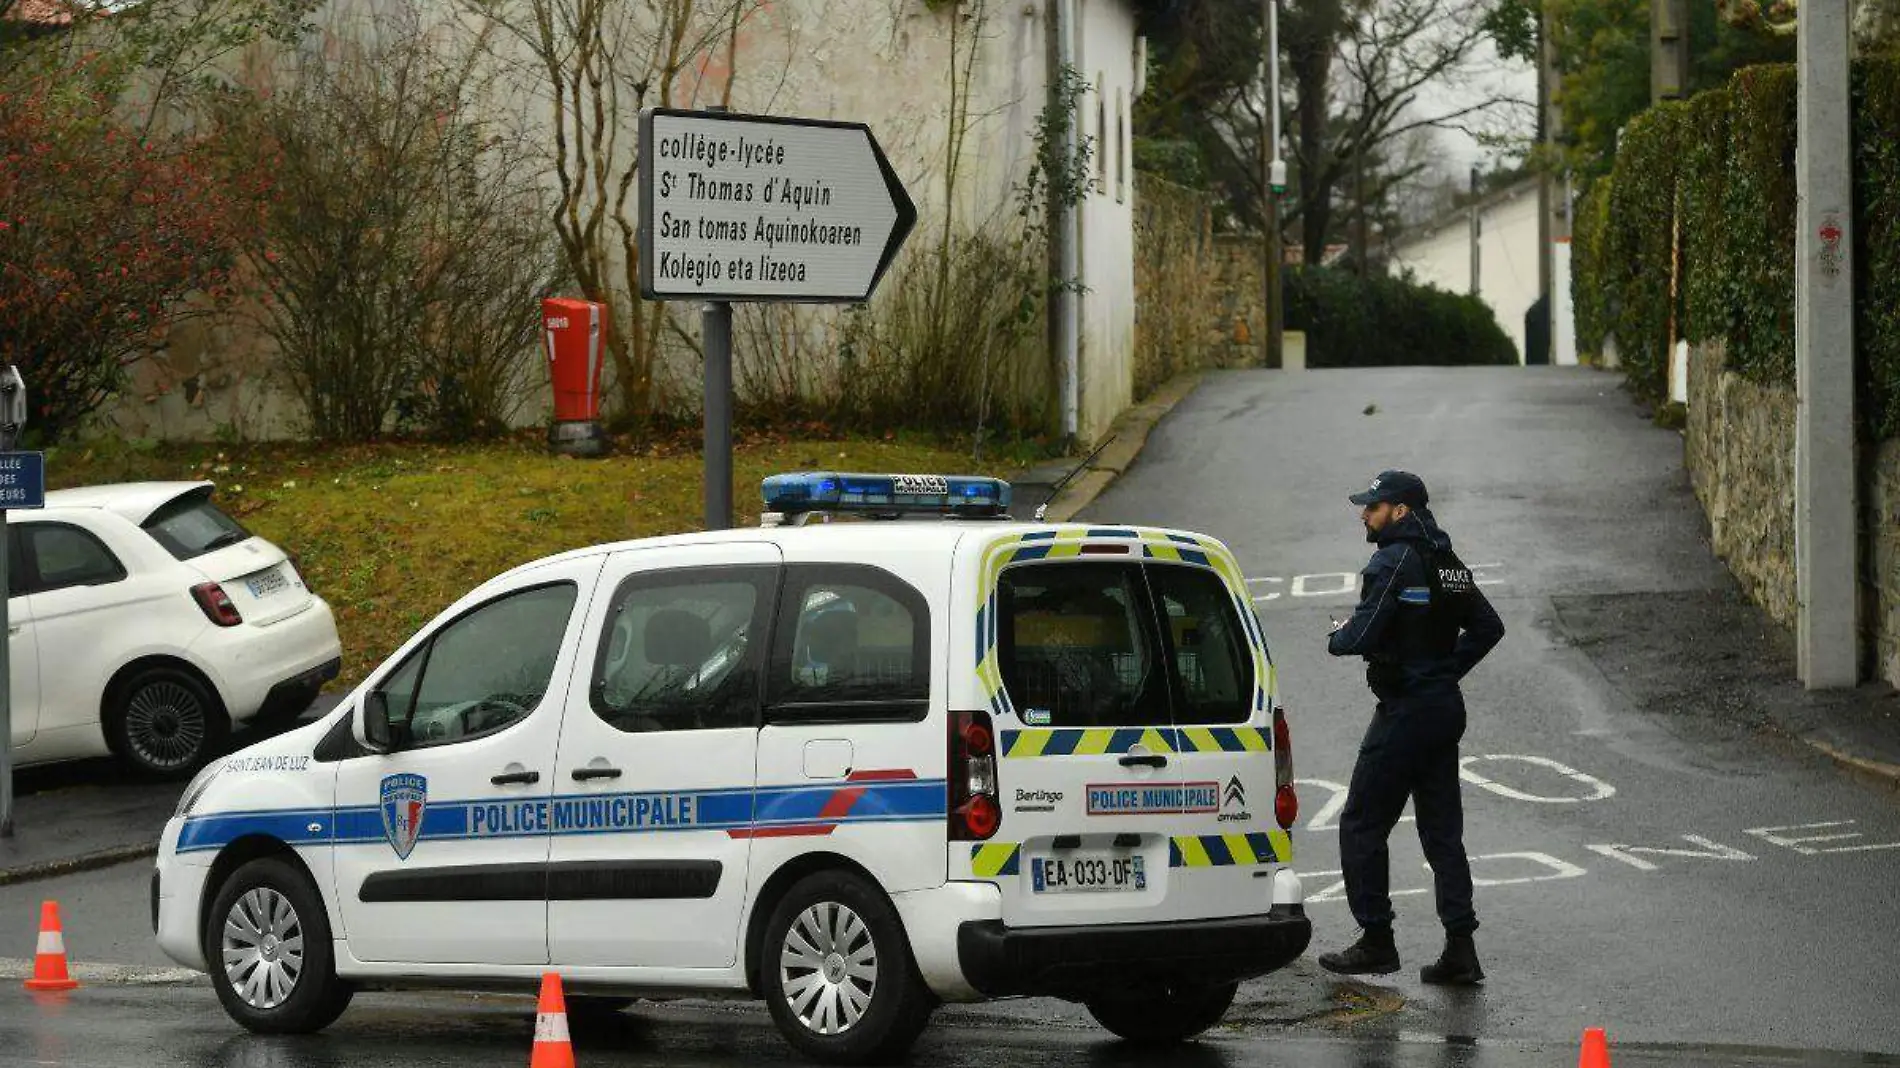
<point x="1101" y="134"/>
<point x="1121" y="150"/>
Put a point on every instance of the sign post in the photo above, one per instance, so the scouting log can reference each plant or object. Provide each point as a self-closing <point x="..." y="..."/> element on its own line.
<point x="761" y="209"/>
<point x="22" y="485"/>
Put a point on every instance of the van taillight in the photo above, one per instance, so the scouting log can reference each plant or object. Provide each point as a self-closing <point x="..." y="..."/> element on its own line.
<point x="975" y="811"/>
<point x="1286" y="803"/>
<point x="216" y="604"/>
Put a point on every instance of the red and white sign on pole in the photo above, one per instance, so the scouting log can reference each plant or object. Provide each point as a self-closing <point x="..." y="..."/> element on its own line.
<point x="576" y="333"/>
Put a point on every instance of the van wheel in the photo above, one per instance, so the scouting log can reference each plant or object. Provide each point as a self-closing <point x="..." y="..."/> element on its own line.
<point x="1164" y="1016"/>
<point x="839" y="978"/>
<point x="165" y="724"/>
<point x="268" y="943"/>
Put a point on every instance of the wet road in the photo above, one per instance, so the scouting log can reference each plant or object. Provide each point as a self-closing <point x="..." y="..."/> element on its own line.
<point x="1659" y="867"/>
<point x="150" y="1027"/>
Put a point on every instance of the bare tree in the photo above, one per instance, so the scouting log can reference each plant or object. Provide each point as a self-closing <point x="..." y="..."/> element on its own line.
<point x="595" y="64"/>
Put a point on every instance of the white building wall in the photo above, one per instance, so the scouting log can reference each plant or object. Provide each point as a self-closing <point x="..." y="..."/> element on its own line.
<point x="1507" y="264"/>
<point x="1106" y="59"/>
<point x="887" y="63"/>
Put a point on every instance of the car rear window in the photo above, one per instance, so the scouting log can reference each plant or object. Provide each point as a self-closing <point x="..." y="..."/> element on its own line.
<point x="192" y="526"/>
<point x="1078" y="646"/>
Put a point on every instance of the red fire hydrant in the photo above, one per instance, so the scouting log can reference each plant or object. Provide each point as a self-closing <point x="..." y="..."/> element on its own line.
<point x="577" y="347"/>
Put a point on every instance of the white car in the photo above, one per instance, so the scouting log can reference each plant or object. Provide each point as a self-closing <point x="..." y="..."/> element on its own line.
<point x="854" y="769"/>
<point x="144" y="621"/>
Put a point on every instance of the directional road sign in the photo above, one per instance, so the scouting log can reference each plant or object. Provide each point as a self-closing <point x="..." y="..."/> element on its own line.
<point x="764" y="209"/>
<point x="22" y="480"/>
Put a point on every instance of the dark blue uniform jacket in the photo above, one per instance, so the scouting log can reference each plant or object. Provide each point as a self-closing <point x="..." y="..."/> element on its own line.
<point x="1422" y="624"/>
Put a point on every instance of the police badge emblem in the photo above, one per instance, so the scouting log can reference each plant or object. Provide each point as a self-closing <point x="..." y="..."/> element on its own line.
<point x="404" y="798"/>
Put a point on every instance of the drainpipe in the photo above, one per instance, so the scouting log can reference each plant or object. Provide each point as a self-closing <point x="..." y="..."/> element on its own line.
<point x="1068" y="239"/>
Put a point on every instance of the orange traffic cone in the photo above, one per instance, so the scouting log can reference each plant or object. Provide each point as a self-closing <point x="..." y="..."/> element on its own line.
<point x="1596" y="1049"/>
<point x="551" y="1046"/>
<point x="49" y="964"/>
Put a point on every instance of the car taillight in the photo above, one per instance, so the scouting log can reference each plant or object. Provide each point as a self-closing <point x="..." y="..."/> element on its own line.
<point x="216" y="604"/>
<point x="975" y="811"/>
<point x="1286" y="802"/>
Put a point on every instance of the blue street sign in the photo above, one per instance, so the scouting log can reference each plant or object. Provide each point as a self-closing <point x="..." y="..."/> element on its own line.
<point x="22" y="480"/>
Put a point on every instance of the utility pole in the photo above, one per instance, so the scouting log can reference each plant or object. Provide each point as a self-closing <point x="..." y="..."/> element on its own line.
<point x="1669" y="50"/>
<point x="1826" y="521"/>
<point x="1476" y="229"/>
<point x="1273" y="256"/>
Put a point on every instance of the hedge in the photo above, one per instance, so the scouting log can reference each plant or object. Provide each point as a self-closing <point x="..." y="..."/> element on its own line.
<point x="1640" y="243"/>
<point x="1877" y="242"/>
<point x="1723" y="165"/>
<point x="1589" y="296"/>
<point x="1380" y="321"/>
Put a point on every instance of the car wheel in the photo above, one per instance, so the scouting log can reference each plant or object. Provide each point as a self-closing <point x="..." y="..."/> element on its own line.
<point x="838" y="974"/>
<point x="272" y="961"/>
<point x="1164" y="1016"/>
<point x="166" y="724"/>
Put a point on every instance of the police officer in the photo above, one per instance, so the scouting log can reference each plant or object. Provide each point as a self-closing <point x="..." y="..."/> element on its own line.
<point x="1421" y="625"/>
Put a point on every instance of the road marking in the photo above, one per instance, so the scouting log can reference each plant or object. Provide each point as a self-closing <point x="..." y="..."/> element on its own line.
<point x="1767" y="834"/>
<point x="1557" y="869"/>
<point x="1601" y="789"/>
<point x="1324" y="819"/>
<point x="1345" y="583"/>
<point x="1711" y="850"/>
<point x="1554" y="870"/>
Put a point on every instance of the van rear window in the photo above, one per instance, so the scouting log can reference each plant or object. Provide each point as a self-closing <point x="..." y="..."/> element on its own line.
<point x="192" y="526"/>
<point x="1078" y="646"/>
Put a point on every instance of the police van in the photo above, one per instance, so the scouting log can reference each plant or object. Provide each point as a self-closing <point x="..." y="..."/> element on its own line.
<point x="889" y="749"/>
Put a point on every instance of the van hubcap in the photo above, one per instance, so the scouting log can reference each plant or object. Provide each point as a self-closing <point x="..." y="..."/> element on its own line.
<point x="263" y="948"/>
<point x="828" y="968"/>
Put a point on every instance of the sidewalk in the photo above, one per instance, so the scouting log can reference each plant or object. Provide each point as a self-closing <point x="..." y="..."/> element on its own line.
<point x="73" y="826"/>
<point x="77" y="817"/>
<point x="1733" y="665"/>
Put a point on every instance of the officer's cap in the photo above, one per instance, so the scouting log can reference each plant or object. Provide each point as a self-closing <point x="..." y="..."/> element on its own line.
<point x="1393" y="487"/>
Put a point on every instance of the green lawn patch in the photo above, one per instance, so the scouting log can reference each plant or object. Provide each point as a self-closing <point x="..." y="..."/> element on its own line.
<point x="392" y="534"/>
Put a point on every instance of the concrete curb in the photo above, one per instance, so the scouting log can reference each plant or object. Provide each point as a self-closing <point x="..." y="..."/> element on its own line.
<point x="52" y="869"/>
<point x="1875" y="772"/>
<point x="1130" y="432"/>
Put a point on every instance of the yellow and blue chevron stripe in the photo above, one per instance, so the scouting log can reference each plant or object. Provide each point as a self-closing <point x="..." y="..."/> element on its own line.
<point x="1222" y="850"/>
<point x="992" y="859"/>
<point x="1100" y="741"/>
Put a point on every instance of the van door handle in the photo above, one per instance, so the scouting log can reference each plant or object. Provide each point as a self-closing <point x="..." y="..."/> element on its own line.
<point x="1153" y="760"/>
<point x="528" y="778"/>
<point x="585" y="774"/>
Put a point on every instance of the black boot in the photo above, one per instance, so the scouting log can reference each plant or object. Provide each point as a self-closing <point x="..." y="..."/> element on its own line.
<point x="1457" y="966"/>
<point x="1373" y="954"/>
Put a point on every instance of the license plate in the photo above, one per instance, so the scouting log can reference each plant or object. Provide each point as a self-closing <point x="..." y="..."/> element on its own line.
<point x="1088" y="873"/>
<point x="265" y="583"/>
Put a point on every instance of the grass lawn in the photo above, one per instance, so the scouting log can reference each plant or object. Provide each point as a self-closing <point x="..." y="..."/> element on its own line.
<point x="392" y="534"/>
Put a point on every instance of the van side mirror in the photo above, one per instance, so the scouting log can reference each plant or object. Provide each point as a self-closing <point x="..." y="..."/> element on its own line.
<point x="373" y="727"/>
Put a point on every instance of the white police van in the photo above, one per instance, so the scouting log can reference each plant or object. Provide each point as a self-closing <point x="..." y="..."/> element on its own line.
<point x="853" y="768"/>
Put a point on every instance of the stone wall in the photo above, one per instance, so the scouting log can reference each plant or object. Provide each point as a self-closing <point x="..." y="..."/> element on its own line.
<point x="1880" y="550"/>
<point x="1740" y="455"/>
<point x="1192" y="310"/>
<point x="1739" y="450"/>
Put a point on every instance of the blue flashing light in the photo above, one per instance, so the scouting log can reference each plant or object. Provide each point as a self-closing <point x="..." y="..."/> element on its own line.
<point x="829" y="491"/>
